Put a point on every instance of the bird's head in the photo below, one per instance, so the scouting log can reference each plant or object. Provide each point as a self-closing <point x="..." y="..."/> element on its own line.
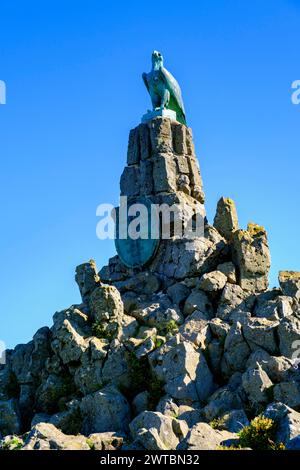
<point x="157" y="59"/>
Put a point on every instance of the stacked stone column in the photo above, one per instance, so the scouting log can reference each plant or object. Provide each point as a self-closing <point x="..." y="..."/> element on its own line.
<point x="161" y="162"/>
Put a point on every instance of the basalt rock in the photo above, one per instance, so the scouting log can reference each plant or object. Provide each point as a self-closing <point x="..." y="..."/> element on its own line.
<point x="204" y="437"/>
<point x="226" y="219"/>
<point x="290" y="283"/>
<point x="252" y="257"/>
<point x="155" y="353"/>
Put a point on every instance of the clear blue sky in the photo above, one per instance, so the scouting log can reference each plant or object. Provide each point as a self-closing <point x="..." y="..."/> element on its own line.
<point x="74" y="89"/>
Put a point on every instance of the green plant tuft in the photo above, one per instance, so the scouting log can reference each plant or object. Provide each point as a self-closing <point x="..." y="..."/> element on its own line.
<point x="102" y="332"/>
<point x="143" y="379"/>
<point x="232" y="447"/>
<point x="260" y="435"/>
<point x="91" y="444"/>
<point x="158" y="342"/>
<point x="14" y="444"/>
<point x="170" y="327"/>
<point x="217" y="423"/>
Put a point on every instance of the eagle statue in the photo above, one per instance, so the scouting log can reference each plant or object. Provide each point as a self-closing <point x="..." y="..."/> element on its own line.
<point x="164" y="90"/>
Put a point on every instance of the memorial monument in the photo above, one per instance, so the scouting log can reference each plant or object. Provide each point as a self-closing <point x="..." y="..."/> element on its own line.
<point x="178" y="343"/>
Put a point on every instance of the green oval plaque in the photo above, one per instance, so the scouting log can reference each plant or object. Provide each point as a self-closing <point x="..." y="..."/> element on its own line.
<point x="137" y="250"/>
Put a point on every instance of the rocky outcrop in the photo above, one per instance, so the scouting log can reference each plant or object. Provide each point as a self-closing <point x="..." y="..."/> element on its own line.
<point x="226" y="219"/>
<point x="180" y="354"/>
<point x="105" y="410"/>
<point x="203" y="437"/>
<point x="45" y="436"/>
<point x="290" y="283"/>
<point x="252" y="257"/>
<point x="148" y="365"/>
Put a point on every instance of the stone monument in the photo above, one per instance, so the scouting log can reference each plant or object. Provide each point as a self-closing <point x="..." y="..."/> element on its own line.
<point x="178" y="343"/>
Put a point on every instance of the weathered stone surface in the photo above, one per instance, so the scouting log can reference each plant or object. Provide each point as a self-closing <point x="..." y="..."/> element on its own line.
<point x="290" y="283"/>
<point x="252" y="257"/>
<point x="154" y="431"/>
<point x="294" y="444"/>
<point x="144" y="282"/>
<point x="198" y="301"/>
<point x="213" y="281"/>
<point x="20" y="362"/>
<point x="157" y="312"/>
<point x="145" y="144"/>
<point x="226" y="220"/>
<point x="219" y="328"/>
<point x="87" y="279"/>
<point x="178" y="293"/>
<point x="204" y="437"/>
<point x="50" y="391"/>
<point x="196" y="180"/>
<point x="279" y="369"/>
<point x="105" y="441"/>
<point x="183" y="184"/>
<point x="140" y="402"/>
<point x="164" y="173"/>
<point x="167" y="406"/>
<point x="145" y="348"/>
<point x="68" y="341"/>
<point x="97" y="348"/>
<point x="275" y="309"/>
<point x="179" y="138"/>
<point x="45" y="436"/>
<point x="117" y="369"/>
<point x="222" y="401"/>
<point x="261" y="298"/>
<point x="189" y="414"/>
<point x="23" y="370"/>
<point x="105" y="410"/>
<point x="184" y="371"/>
<point x="256" y="384"/>
<point x="133" y="152"/>
<point x="261" y="333"/>
<point x="229" y="270"/>
<point x="114" y="271"/>
<point x="287" y="421"/>
<point x="161" y="135"/>
<point x="75" y="317"/>
<point x="193" y="257"/>
<point x="88" y="377"/>
<point x="196" y="330"/>
<point x="146" y="177"/>
<point x="233" y="299"/>
<point x="68" y="421"/>
<point x="129" y="327"/>
<point x="215" y="351"/>
<point x="236" y="351"/>
<point x="106" y="303"/>
<point x="8" y="383"/>
<point x="107" y="308"/>
<point x="189" y="141"/>
<point x="288" y="393"/>
<point x="54" y="365"/>
<point x="182" y="164"/>
<point x="10" y="420"/>
<point x="289" y="336"/>
<point x="40" y="352"/>
<point x="234" y="421"/>
<point x="130" y="181"/>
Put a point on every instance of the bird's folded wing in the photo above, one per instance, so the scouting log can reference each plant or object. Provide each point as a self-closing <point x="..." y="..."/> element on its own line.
<point x="173" y="87"/>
